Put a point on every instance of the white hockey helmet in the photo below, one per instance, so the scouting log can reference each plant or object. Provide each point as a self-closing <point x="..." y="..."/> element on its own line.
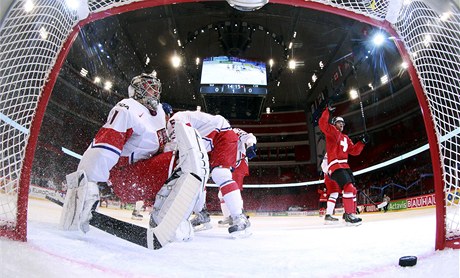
<point x="338" y="119"/>
<point x="146" y="88"/>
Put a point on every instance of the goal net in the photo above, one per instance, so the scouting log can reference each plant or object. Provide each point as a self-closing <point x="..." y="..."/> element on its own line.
<point x="36" y="35"/>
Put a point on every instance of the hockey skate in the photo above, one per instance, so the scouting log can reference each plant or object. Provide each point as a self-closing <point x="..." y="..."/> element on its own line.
<point x="240" y="227"/>
<point x="351" y="219"/>
<point x="201" y="221"/>
<point x="136" y="215"/>
<point x="328" y="220"/>
<point x="226" y="221"/>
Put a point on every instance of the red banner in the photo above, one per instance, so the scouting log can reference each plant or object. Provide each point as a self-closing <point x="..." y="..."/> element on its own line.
<point x="421" y="201"/>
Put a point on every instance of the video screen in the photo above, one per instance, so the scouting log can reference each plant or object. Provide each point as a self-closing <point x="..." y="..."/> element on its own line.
<point x="232" y="70"/>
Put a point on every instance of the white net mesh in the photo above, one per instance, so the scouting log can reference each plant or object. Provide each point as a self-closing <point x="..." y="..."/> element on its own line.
<point x="31" y="38"/>
<point x="433" y="40"/>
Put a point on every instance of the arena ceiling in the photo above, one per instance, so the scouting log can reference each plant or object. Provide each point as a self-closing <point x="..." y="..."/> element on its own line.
<point x="323" y="45"/>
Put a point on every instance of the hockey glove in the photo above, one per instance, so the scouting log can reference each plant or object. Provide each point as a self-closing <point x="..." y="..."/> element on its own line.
<point x="330" y="107"/>
<point x="365" y="138"/>
<point x="251" y="152"/>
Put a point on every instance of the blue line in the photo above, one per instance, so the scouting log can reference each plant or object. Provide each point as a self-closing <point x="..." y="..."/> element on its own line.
<point x="9" y="121"/>
<point x="71" y="153"/>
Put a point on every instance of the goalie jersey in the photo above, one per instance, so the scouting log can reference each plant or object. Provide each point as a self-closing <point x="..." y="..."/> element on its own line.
<point x="131" y="133"/>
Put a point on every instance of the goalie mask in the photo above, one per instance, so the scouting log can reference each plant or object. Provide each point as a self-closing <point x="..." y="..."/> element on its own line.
<point x="146" y="89"/>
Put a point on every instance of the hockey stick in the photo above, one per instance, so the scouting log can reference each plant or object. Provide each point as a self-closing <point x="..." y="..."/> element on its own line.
<point x="359" y="95"/>
<point x="124" y="230"/>
<point x="367" y="197"/>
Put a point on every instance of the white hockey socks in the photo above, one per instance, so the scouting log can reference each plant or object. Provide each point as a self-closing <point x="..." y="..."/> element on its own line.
<point x="223" y="206"/>
<point x="331" y="203"/>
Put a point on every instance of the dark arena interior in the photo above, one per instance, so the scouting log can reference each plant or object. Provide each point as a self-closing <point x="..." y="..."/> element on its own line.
<point x="332" y="55"/>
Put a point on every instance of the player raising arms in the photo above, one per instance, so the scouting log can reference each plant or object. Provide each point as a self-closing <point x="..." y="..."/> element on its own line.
<point x="338" y="147"/>
<point x="221" y="143"/>
<point x="127" y="149"/>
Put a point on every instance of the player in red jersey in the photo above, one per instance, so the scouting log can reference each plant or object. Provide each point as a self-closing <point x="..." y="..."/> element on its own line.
<point x="246" y="151"/>
<point x="338" y="147"/>
<point x="221" y="143"/>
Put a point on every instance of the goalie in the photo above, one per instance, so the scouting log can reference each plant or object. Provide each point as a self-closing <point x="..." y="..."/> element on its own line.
<point x="127" y="152"/>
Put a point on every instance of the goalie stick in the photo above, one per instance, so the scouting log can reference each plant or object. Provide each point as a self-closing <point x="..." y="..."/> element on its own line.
<point x="133" y="233"/>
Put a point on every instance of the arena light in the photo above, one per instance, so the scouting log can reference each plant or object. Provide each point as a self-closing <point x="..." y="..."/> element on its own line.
<point x="73" y="4"/>
<point x="445" y="16"/>
<point x="321" y="65"/>
<point x="353" y="94"/>
<point x="84" y="72"/>
<point x="108" y="85"/>
<point x="176" y="61"/>
<point x="427" y="40"/>
<point x="43" y="33"/>
<point x="384" y="79"/>
<point x="292" y="64"/>
<point x="97" y="80"/>
<point x="247" y="5"/>
<point x="378" y="39"/>
<point x="314" y="78"/>
<point x="29" y="6"/>
<point x="197" y="61"/>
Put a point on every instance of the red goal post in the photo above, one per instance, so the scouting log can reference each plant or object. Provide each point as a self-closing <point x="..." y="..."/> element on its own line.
<point x="35" y="37"/>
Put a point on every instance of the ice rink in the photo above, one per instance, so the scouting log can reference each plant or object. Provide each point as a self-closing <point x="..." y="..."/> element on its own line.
<point x="295" y="246"/>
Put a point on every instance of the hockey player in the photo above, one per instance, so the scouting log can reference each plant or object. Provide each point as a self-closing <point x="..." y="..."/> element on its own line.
<point x="221" y="143"/>
<point x="246" y="151"/>
<point x="333" y="190"/>
<point x="338" y="147"/>
<point x="322" y="192"/>
<point x="128" y="149"/>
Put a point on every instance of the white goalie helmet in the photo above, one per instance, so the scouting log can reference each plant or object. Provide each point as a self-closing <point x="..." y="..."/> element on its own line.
<point x="146" y="88"/>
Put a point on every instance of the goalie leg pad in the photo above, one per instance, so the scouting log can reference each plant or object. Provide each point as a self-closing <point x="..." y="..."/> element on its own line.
<point x="175" y="208"/>
<point x="79" y="201"/>
<point x="193" y="157"/>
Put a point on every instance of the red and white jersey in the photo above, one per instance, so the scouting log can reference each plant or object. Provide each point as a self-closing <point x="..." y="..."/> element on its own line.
<point x="131" y="132"/>
<point x="244" y="140"/>
<point x="338" y="145"/>
<point x="207" y="125"/>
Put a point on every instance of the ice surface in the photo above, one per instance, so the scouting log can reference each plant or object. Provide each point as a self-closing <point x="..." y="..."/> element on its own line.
<point x="295" y="246"/>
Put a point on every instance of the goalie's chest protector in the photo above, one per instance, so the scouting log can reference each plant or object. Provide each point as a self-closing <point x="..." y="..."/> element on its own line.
<point x="148" y="132"/>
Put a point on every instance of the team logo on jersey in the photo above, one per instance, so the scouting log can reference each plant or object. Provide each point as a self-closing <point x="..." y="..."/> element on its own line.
<point x="162" y="137"/>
